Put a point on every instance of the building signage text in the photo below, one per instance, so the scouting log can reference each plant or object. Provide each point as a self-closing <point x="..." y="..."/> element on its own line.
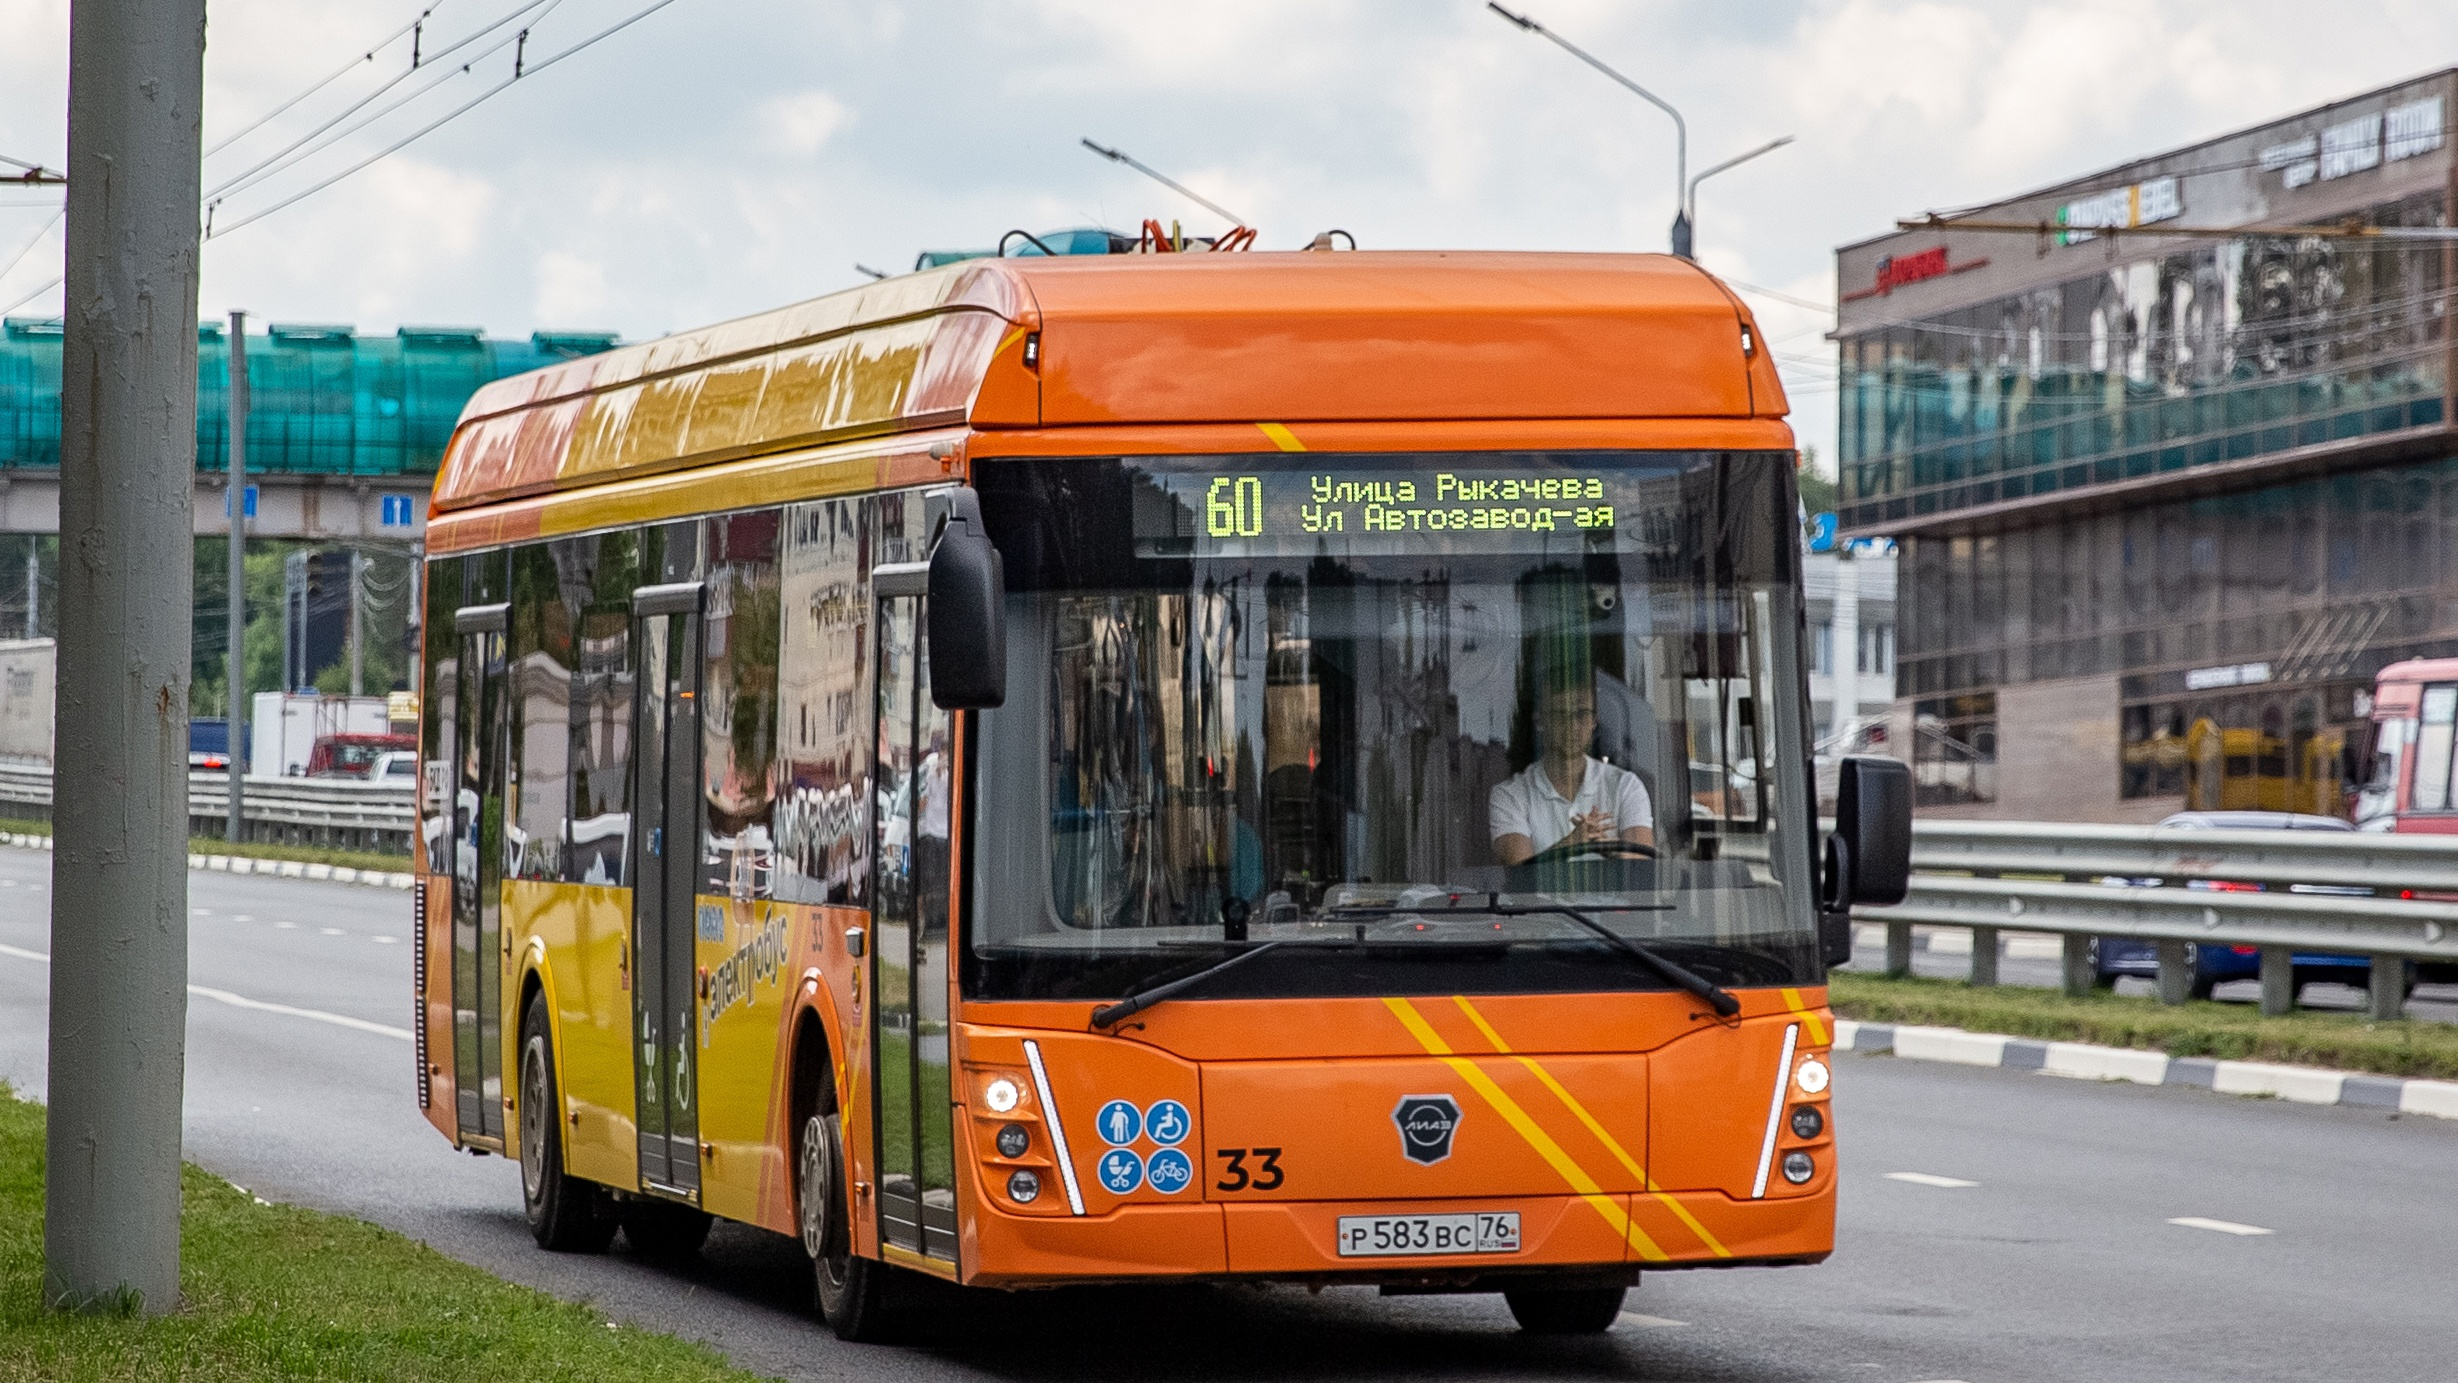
<point x="2142" y="204"/>
<point x="2358" y="144"/>
<point x="1895" y="271"/>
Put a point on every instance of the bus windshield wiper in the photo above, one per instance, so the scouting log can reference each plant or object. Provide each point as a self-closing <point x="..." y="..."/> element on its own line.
<point x="1681" y="975"/>
<point x="1717" y="997"/>
<point x="1109" y="1015"/>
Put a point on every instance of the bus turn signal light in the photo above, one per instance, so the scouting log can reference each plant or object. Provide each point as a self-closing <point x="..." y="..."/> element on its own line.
<point x="1014" y="1140"/>
<point x="1807" y="1122"/>
<point x="1811" y="1074"/>
<point x="1001" y="1094"/>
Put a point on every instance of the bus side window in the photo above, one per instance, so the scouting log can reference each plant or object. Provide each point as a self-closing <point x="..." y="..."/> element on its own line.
<point x="598" y="582"/>
<point x="2432" y="748"/>
<point x="738" y="704"/>
<point x="823" y="704"/>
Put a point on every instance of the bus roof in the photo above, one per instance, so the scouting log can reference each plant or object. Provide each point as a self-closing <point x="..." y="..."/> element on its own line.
<point x="1150" y="339"/>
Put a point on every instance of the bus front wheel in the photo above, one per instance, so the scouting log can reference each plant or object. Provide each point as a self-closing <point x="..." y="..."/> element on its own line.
<point x="1565" y="1310"/>
<point x="852" y="1290"/>
<point x="565" y="1213"/>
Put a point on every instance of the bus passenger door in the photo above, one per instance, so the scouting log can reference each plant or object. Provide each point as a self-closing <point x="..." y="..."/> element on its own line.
<point x="666" y="842"/>
<point x="477" y="782"/>
<point x="914" y="1122"/>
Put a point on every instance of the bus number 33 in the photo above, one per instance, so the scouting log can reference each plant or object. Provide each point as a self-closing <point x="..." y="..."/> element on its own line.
<point x="1234" y="1177"/>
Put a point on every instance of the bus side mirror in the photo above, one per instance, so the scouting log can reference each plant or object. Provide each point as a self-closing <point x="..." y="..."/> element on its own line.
<point x="1869" y="855"/>
<point x="968" y="599"/>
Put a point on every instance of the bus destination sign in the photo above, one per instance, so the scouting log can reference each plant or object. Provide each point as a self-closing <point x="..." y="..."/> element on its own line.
<point x="1297" y="511"/>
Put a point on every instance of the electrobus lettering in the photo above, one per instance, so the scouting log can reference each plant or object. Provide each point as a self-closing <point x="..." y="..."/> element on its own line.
<point x="756" y="962"/>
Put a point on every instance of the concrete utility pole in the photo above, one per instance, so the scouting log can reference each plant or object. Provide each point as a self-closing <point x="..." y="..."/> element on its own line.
<point x="235" y="668"/>
<point x="119" y="896"/>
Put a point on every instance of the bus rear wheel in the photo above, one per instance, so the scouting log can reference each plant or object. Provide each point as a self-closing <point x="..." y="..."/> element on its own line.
<point x="852" y="1290"/>
<point x="1565" y="1310"/>
<point x="566" y="1214"/>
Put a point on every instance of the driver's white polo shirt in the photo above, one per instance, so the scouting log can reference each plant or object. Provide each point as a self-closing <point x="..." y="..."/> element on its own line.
<point x="1527" y="804"/>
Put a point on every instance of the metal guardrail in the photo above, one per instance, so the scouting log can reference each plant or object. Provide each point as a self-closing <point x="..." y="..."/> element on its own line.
<point x="337" y="812"/>
<point x="2391" y="898"/>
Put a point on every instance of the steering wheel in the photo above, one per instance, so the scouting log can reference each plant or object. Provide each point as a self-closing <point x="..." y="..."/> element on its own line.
<point x="1613" y="849"/>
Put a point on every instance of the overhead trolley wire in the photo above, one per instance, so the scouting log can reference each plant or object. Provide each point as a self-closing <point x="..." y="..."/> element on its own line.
<point x="528" y="69"/>
<point x="316" y="141"/>
<point x="337" y="74"/>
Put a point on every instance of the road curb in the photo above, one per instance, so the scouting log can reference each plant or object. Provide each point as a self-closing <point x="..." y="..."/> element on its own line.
<point x="2083" y="1061"/>
<point x="244" y="864"/>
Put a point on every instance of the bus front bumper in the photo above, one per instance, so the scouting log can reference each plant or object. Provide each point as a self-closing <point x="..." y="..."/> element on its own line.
<point x="1484" y="1240"/>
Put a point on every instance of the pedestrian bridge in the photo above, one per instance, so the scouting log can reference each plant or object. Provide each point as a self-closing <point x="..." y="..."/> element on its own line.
<point x="344" y="431"/>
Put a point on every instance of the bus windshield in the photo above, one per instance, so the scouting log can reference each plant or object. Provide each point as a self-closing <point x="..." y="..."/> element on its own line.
<point x="1395" y="713"/>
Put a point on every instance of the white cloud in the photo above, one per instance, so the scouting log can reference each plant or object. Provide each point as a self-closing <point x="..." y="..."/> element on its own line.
<point x="571" y="290"/>
<point x="800" y="123"/>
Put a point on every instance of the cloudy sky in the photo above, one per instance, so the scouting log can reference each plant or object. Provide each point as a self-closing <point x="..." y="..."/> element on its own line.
<point x="723" y="156"/>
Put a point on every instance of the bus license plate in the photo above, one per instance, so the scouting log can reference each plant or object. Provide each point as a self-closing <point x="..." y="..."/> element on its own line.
<point x="1381" y="1236"/>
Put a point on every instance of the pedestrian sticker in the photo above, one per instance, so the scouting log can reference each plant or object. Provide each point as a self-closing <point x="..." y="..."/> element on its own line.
<point x="1169" y="1171"/>
<point x="1122" y="1171"/>
<point x="1118" y="1123"/>
<point x="1167" y="1123"/>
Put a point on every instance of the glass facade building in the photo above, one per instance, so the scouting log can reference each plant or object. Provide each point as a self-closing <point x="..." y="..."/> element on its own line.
<point x="2168" y="451"/>
<point x="323" y="399"/>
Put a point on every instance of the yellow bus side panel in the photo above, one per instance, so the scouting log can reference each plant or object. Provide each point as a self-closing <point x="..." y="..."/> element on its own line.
<point x="587" y="932"/>
<point x="745" y="957"/>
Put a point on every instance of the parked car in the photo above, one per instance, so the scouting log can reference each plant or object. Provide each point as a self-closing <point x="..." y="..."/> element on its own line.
<point x="393" y="766"/>
<point x="2214" y="965"/>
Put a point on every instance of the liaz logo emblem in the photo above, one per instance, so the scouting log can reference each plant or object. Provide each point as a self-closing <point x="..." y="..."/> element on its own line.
<point x="1426" y="1125"/>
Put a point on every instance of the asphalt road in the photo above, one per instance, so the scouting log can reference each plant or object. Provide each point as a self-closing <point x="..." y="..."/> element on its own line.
<point x="2059" y="1261"/>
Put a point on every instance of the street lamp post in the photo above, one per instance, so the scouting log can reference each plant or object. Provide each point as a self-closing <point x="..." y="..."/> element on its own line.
<point x="1689" y="203"/>
<point x="1681" y="128"/>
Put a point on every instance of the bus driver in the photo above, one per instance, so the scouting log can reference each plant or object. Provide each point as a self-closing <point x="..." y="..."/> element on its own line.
<point x="1568" y="794"/>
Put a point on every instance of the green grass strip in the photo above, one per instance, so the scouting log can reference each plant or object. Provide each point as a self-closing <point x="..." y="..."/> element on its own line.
<point x="2239" y="1032"/>
<point x="215" y="845"/>
<point x="275" y="1292"/>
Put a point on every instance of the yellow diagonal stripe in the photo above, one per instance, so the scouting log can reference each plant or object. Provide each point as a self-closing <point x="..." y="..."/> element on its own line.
<point x="1010" y="339"/>
<point x="1479" y="1019"/>
<point x="1528" y="1129"/>
<point x="1817" y="1030"/>
<point x="1282" y="437"/>
<point x="1594" y="1126"/>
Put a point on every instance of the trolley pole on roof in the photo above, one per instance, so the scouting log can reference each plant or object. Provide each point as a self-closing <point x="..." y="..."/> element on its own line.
<point x="235" y="666"/>
<point x="119" y="904"/>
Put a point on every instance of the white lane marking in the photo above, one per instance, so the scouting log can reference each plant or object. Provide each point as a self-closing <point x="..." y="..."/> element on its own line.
<point x="332" y="931"/>
<point x="2218" y="1226"/>
<point x="1926" y="1179"/>
<point x="287" y="926"/>
<point x="387" y="940"/>
<point x="224" y="996"/>
<point x="200" y="912"/>
<point x="242" y="917"/>
<point x="1634" y="1319"/>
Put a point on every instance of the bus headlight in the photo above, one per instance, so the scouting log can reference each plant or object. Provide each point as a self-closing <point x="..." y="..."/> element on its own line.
<point x="1807" y="1122"/>
<point x="1014" y="1139"/>
<point x="1002" y="1095"/>
<point x="1799" y="1168"/>
<point x="1811" y="1075"/>
<point x="1024" y="1187"/>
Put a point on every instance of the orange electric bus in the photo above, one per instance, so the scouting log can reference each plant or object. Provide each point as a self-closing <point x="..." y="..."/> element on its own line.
<point x="1147" y="766"/>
